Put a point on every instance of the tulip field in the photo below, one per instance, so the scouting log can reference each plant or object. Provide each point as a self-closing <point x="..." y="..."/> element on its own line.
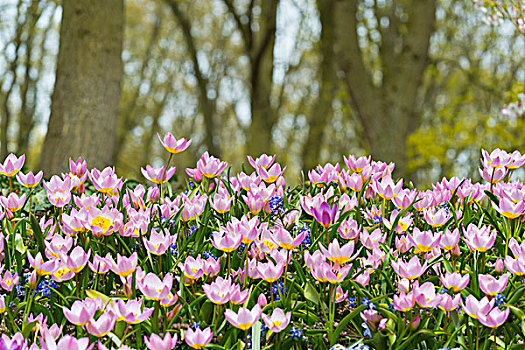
<point x="351" y="259"/>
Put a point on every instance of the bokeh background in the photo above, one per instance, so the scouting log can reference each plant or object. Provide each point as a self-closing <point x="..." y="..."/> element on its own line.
<point x="424" y="83"/>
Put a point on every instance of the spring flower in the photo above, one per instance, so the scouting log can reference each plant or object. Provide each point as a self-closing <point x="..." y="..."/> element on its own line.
<point x="66" y="342"/>
<point x="285" y="240"/>
<point x="244" y="318"/>
<point x="218" y="292"/>
<point x="221" y="204"/>
<point x="193" y="268"/>
<point x="404" y="198"/>
<point x="81" y="311"/>
<point x="78" y="167"/>
<point x="124" y="266"/>
<point x="102" y="326"/>
<point x="17" y="342"/>
<point x="349" y="229"/>
<point x="480" y="239"/>
<point x="157" y="343"/>
<point x="516" y="266"/>
<point x="9" y="280"/>
<point x="492" y="286"/>
<point x="198" y="339"/>
<point x="436" y="218"/>
<point x="340" y="295"/>
<point x="455" y="281"/>
<point x="13" y="202"/>
<point x="325" y="214"/>
<point x="269" y="271"/>
<point x="516" y="160"/>
<point x="410" y="270"/>
<point x="58" y="191"/>
<point x="255" y="202"/>
<point x="447" y="303"/>
<point x="42" y="268"/>
<point x="404" y="301"/>
<point x="209" y="166"/>
<point x="497" y="158"/>
<point x="491" y="174"/>
<point x="278" y="321"/>
<point x="172" y="145"/>
<point x="270" y="175"/>
<point x="103" y="222"/>
<point x="372" y="240"/>
<point x="227" y="241"/>
<point x="338" y="254"/>
<point x="131" y="312"/>
<point x="100" y="264"/>
<point x="509" y="209"/>
<point x="403" y="223"/>
<point x="264" y="161"/>
<point x="155" y="289"/>
<point x="426" y="296"/>
<point x="424" y="241"/>
<point x="76" y="260"/>
<point x="358" y="164"/>
<point x="494" y="318"/>
<point x="386" y="188"/>
<point x="449" y="239"/>
<point x="238" y="297"/>
<point x="473" y="307"/>
<point x="158" y="243"/>
<point x="62" y="273"/>
<point x="12" y="165"/>
<point x="29" y="180"/>
<point x="106" y="181"/>
<point x="158" y="174"/>
<point x="58" y="245"/>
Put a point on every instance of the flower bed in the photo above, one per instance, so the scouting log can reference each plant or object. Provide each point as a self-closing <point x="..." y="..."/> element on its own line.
<point x="353" y="260"/>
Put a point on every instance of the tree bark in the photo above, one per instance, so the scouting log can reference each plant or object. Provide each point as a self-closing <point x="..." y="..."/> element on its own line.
<point x="388" y="111"/>
<point x="327" y="88"/>
<point x="85" y="102"/>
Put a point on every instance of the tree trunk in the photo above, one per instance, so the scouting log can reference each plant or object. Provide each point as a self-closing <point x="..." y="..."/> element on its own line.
<point x="261" y="58"/>
<point x="327" y="88"/>
<point x="85" y="102"/>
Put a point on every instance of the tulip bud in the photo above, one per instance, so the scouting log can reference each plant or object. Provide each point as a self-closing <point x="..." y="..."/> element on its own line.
<point x="3" y="308"/>
<point x="415" y="323"/>
<point x="262" y="300"/>
<point x="33" y="280"/>
<point x="498" y="266"/>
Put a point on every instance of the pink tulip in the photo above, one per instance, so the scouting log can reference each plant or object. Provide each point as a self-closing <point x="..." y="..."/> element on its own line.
<point x="17" y="342"/>
<point x="447" y="303"/>
<point x="282" y="237"/>
<point x="225" y="240"/>
<point x="158" y="174"/>
<point x="158" y="243"/>
<point x="497" y="158"/>
<point x="102" y="326"/>
<point x="426" y="296"/>
<point x="9" y="280"/>
<point x="372" y="240"/>
<point x="264" y="161"/>
<point x="131" y="311"/>
<point x="103" y="222"/>
<point x="78" y="167"/>
<point x="157" y="343"/>
<point x="349" y="229"/>
<point x="516" y="160"/>
<point x="324" y="214"/>
<point x="410" y="270"/>
<point x="244" y="318"/>
<point x="172" y="145"/>
<point x="124" y="266"/>
<point x="449" y="240"/>
<point x="473" y="307"/>
<point x="424" y="241"/>
<point x="42" y="268"/>
<point x="278" y="321"/>
<point x="100" y="264"/>
<point x="386" y="188"/>
<point x="29" y="180"/>
<point x="82" y="311"/>
<point x="492" y="286"/>
<point x="404" y="301"/>
<point x="238" y="297"/>
<point x="436" y="218"/>
<point x="455" y="281"/>
<point x="340" y="295"/>
<point x="269" y="271"/>
<point x="12" y="165"/>
<point x="155" y="289"/>
<point x="193" y="268"/>
<point x="480" y="239"/>
<point x="494" y="318"/>
<point x="510" y="209"/>
<point x="221" y="204"/>
<point x="13" y="202"/>
<point x="516" y="266"/>
<point x="338" y="254"/>
<point x="198" y="339"/>
<point x="270" y="175"/>
<point x="358" y="164"/>
<point x="218" y="292"/>
<point x="209" y="166"/>
<point x="76" y="260"/>
<point x="106" y="181"/>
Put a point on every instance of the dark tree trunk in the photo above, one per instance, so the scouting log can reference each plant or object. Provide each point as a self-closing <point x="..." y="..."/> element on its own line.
<point x="85" y="102"/>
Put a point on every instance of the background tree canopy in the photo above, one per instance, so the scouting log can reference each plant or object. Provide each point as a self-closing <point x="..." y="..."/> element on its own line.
<point x="418" y="82"/>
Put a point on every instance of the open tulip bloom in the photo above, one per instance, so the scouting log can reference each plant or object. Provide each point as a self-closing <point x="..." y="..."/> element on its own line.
<point x="351" y="257"/>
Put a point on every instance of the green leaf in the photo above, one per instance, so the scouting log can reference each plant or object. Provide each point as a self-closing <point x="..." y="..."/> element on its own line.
<point x="311" y="293"/>
<point x="27" y="328"/>
<point x="94" y="294"/>
<point x="256" y="336"/>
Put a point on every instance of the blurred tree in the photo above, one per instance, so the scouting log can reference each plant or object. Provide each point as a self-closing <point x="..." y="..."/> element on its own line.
<point x="84" y="110"/>
<point x="384" y="79"/>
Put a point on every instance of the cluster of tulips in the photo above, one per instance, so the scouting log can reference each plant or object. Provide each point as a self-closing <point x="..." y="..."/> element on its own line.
<point x="351" y="259"/>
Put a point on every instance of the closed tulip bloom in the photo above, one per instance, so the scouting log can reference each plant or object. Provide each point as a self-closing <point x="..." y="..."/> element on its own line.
<point x="124" y="266"/>
<point x="325" y="214"/>
<point x="449" y="239"/>
<point x="404" y="301"/>
<point x="448" y="303"/>
<point x="131" y="311"/>
<point x="12" y="165"/>
<point x="403" y="244"/>
<point x="473" y="307"/>
<point x="494" y="318"/>
<point x="102" y="326"/>
<point x="424" y="241"/>
<point x="278" y="321"/>
<point x="155" y="289"/>
<point x="198" y="339"/>
<point x="157" y="343"/>
<point x="81" y="311"/>
<point x="254" y="201"/>
<point x="211" y="266"/>
<point x="172" y="145"/>
<point x="410" y="270"/>
<point x="29" y="180"/>
<point x="218" y="292"/>
<point x="480" y="239"/>
<point x="244" y="318"/>
<point x="209" y="166"/>
<point x="158" y="174"/>
<point x="455" y="281"/>
<point x="13" y="202"/>
<point x="492" y="286"/>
